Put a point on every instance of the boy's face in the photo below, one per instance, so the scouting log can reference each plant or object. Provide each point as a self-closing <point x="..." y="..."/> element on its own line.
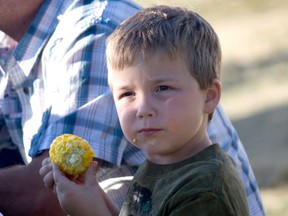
<point x="161" y="108"/>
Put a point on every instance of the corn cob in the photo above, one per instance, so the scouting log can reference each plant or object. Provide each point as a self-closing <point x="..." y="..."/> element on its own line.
<point x="71" y="153"/>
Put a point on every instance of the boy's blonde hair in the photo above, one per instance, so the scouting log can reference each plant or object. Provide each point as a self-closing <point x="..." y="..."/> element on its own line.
<point x="176" y="32"/>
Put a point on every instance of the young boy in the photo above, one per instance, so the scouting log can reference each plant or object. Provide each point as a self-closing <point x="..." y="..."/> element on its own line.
<point x="164" y="71"/>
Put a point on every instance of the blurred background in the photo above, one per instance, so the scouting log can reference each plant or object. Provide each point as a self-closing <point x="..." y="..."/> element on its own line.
<point x="254" y="39"/>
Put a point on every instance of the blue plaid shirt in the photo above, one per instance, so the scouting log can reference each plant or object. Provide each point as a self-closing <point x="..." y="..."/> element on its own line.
<point x="56" y="82"/>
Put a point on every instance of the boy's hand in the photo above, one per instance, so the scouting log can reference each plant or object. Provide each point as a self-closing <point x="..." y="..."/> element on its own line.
<point x="80" y="196"/>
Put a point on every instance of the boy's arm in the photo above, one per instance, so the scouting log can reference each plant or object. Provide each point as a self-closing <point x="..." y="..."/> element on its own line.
<point x="110" y="205"/>
<point x="24" y="184"/>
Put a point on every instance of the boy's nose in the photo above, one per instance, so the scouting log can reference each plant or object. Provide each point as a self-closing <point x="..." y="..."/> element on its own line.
<point x="144" y="114"/>
<point x="145" y="108"/>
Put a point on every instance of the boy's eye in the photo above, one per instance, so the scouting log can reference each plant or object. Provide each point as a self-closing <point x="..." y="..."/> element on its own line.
<point x="162" y="88"/>
<point x="126" y="94"/>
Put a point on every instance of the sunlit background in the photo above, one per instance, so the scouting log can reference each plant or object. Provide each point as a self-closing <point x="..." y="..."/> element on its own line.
<point x="254" y="39"/>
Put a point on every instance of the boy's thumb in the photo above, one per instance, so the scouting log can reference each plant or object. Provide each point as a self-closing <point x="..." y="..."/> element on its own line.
<point x="90" y="176"/>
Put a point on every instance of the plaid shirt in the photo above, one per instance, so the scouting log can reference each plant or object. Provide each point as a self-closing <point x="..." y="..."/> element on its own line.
<point x="56" y="82"/>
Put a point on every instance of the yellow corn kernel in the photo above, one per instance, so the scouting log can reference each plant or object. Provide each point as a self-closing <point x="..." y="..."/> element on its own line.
<point x="71" y="153"/>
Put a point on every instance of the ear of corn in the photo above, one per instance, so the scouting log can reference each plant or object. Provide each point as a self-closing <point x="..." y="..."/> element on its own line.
<point x="71" y="153"/>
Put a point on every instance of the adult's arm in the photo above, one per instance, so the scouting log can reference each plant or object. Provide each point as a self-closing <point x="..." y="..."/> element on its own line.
<point x="222" y="131"/>
<point x="22" y="191"/>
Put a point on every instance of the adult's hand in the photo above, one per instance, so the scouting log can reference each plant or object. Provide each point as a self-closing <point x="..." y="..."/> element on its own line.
<point x="22" y="191"/>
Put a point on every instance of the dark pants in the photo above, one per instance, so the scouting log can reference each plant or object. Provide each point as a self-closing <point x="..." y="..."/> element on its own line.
<point x="10" y="157"/>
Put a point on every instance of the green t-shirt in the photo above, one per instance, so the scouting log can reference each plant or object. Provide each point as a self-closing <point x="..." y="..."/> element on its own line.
<point x="205" y="184"/>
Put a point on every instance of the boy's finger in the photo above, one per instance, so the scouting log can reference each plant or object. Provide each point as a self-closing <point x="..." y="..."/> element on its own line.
<point x="45" y="169"/>
<point x="46" y="161"/>
<point x="57" y="172"/>
<point x="60" y="179"/>
<point x="49" y="180"/>
<point x="58" y="175"/>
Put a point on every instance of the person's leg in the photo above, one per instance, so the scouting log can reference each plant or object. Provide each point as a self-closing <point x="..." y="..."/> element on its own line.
<point x="10" y="157"/>
<point x="9" y="153"/>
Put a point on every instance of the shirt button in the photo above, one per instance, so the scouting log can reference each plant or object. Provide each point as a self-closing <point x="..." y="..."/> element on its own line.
<point x="26" y="90"/>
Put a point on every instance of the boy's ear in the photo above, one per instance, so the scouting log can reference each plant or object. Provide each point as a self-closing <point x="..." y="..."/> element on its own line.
<point x="213" y="95"/>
